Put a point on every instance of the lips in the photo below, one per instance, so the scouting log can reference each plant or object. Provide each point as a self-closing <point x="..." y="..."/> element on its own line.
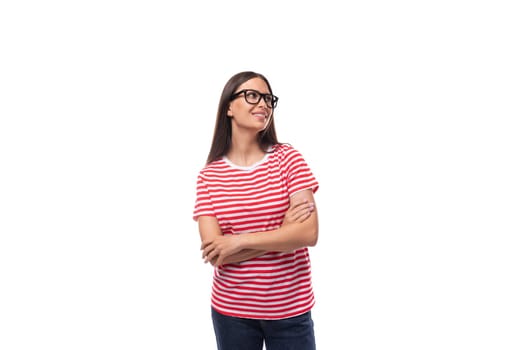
<point x="260" y="115"/>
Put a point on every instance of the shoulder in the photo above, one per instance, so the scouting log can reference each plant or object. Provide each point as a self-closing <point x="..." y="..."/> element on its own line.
<point x="213" y="169"/>
<point x="284" y="150"/>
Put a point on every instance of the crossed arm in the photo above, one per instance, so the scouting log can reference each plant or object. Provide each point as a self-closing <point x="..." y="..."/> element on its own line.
<point x="299" y="229"/>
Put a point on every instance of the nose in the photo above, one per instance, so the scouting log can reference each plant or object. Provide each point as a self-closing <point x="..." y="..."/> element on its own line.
<point x="262" y="103"/>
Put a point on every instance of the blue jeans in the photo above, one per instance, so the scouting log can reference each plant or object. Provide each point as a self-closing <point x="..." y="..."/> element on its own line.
<point x="233" y="333"/>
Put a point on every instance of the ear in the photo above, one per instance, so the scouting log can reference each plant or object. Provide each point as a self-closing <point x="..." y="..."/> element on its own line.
<point x="229" y="113"/>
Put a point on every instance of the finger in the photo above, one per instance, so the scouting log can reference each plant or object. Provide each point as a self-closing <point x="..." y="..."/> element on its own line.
<point x="206" y="251"/>
<point x="306" y="213"/>
<point x="297" y="209"/>
<point x="213" y="261"/>
<point x="301" y="208"/>
<point x="210" y="256"/>
<point x="304" y="216"/>
<point x="210" y="259"/>
<point x="204" y="244"/>
<point x="304" y="210"/>
<point x="298" y="204"/>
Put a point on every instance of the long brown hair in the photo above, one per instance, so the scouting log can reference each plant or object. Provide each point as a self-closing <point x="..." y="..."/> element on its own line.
<point x="222" y="136"/>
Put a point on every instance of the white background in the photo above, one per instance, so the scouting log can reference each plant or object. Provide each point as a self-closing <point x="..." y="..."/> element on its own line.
<point x="409" y="113"/>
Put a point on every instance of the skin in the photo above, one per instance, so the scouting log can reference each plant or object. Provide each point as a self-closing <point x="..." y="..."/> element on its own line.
<point x="300" y="226"/>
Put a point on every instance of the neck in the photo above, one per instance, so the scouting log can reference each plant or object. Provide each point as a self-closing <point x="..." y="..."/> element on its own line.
<point x="244" y="150"/>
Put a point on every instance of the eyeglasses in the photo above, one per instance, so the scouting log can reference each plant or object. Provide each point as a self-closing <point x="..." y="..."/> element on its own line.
<point x="253" y="97"/>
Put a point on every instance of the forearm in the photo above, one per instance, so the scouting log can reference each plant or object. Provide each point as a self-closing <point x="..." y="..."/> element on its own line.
<point x="299" y="229"/>
<point x="288" y="237"/>
<point x="243" y="255"/>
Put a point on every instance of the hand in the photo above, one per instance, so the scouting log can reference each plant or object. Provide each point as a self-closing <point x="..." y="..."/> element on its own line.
<point x="217" y="249"/>
<point x="299" y="212"/>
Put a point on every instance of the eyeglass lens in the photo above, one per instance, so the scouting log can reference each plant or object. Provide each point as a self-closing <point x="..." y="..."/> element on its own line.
<point x="254" y="97"/>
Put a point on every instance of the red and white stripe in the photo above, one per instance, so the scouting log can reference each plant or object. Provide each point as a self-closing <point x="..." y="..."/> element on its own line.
<point x="275" y="285"/>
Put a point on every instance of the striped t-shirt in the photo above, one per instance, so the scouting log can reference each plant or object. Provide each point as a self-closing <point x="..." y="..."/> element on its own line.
<point x="275" y="285"/>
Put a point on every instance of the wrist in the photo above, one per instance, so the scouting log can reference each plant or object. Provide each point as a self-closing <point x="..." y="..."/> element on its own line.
<point x="243" y="240"/>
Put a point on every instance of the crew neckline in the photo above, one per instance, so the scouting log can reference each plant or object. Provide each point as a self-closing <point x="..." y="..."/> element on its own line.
<point x="248" y="167"/>
<point x="254" y="165"/>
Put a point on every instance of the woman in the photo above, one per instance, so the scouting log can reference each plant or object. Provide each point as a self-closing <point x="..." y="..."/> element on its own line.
<point x="256" y="216"/>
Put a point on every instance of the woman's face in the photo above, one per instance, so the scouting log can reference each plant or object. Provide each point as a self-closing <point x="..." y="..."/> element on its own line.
<point x="247" y="115"/>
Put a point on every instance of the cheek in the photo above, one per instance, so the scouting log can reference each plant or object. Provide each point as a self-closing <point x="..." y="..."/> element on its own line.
<point x="236" y="110"/>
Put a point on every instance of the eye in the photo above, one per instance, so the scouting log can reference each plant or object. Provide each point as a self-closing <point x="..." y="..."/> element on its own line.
<point x="252" y="95"/>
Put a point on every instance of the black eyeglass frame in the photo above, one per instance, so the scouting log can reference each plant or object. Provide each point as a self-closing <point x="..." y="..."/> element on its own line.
<point x="261" y="95"/>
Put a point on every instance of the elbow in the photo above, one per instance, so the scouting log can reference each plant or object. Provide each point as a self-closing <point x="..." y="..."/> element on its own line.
<point x="313" y="229"/>
<point x="314" y="235"/>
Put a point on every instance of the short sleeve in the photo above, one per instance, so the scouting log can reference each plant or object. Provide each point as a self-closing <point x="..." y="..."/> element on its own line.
<point x="298" y="174"/>
<point x="203" y="204"/>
